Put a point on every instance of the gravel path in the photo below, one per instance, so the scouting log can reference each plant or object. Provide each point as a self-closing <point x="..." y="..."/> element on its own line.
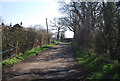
<point x="56" y="63"/>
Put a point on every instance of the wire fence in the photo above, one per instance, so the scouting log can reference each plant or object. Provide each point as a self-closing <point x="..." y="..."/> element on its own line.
<point x="12" y="49"/>
<point x="7" y="50"/>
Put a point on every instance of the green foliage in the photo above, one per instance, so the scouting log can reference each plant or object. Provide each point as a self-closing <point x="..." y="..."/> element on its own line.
<point x="26" y="54"/>
<point x="95" y="75"/>
<point x="96" y="67"/>
<point x="54" y="42"/>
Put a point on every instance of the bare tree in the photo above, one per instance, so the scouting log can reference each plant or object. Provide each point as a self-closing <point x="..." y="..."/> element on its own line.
<point x="57" y="25"/>
<point x="82" y="18"/>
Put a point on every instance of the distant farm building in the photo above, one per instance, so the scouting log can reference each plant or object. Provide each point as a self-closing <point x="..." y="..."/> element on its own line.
<point x="17" y="25"/>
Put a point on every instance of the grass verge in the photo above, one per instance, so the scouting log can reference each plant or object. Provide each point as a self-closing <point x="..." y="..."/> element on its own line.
<point x="96" y="67"/>
<point x="27" y="54"/>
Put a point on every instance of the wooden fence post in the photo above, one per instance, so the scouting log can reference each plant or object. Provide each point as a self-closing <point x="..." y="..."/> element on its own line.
<point x="16" y="47"/>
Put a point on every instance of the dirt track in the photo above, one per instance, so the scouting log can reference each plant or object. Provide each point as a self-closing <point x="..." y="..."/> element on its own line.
<point x="55" y="63"/>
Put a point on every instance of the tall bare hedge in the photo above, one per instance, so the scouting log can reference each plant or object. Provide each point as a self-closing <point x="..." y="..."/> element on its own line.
<point x="27" y="38"/>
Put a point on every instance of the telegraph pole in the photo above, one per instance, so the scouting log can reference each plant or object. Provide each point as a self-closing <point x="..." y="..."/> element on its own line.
<point x="47" y="31"/>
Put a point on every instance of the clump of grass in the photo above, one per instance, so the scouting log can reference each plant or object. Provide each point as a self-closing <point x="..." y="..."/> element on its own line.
<point x="55" y="43"/>
<point x="25" y="55"/>
<point x="96" y="67"/>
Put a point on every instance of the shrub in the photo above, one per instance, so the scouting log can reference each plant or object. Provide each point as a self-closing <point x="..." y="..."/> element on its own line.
<point x="27" y="39"/>
<point x="97" y="68"/>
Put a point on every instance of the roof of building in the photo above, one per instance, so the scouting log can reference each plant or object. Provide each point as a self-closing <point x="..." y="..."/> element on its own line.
<point x="17" y="25"/>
